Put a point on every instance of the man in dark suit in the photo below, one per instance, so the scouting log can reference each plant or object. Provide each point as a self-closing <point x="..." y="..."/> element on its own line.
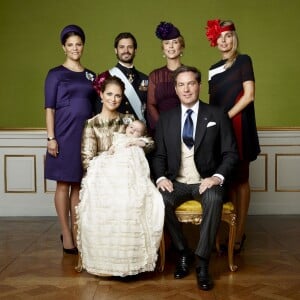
<point x="194" y="157"/>
<point x="136" y="82"/>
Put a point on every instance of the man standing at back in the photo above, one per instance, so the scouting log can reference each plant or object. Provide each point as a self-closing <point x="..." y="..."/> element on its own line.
<point x="136" y="82"/>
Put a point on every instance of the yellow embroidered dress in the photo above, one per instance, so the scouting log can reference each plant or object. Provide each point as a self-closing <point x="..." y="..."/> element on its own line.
<point x="121" y="213"/>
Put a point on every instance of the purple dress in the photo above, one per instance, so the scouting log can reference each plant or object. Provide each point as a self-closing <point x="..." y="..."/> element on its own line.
<point x="72" y="96"/>
<point x="161" y="95"/>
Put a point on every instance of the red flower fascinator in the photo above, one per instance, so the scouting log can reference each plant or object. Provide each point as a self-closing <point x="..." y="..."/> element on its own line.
<point x="214" y="29"/>
<point x="98" y="81"/>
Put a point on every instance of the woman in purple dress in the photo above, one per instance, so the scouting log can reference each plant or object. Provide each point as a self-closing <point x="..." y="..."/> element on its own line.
<point x="69" y="102"/>
<point x="232" y="86"/>
<point x="161" y="91"/>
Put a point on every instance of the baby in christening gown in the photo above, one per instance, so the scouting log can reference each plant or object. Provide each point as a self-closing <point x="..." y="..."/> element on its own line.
<point x="133" y="137"/>
<point x="121" y="213"/>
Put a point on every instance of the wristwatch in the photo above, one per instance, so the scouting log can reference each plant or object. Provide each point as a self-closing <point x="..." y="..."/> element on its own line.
<point x="50" y="138"/>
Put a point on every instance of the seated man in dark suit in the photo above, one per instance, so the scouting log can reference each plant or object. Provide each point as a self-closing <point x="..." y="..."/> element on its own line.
<point x="195" y="155"/>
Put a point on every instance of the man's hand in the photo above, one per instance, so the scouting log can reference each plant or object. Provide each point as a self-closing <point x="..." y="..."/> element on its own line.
<point x="165" y="185"/>
<point x="208" y="182"/>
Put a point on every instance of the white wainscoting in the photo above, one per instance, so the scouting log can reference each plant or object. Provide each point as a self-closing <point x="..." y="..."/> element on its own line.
<point x="274" y="176"/>
<point x="23" y="190"/>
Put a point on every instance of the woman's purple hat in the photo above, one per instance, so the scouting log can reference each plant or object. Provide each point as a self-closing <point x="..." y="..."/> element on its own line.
<point x="167" y="31"/>
<point x="72" y="28"/>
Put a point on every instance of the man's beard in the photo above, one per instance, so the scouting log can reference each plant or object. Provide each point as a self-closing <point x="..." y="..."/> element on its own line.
<point x="128" y="60"/>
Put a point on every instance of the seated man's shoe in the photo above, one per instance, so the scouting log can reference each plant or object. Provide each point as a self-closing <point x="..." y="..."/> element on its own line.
<point x="203" y="279"/>
<point x="183" y="265"/>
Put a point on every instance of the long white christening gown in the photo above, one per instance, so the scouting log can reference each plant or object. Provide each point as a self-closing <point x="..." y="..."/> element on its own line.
<point x="121" y="213"/>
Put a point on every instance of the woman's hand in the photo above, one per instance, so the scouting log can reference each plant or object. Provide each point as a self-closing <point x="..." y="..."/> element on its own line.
<point x="52" y="148"/>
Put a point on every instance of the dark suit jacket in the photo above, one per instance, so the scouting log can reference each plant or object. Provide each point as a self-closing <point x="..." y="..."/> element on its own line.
<point x="214" y="150"/>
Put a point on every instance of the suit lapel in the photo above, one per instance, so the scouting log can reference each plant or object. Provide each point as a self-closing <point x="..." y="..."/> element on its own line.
<point x="176" y="129"/>
<point x="202" y="122"/>
<point x="173" y="133"/>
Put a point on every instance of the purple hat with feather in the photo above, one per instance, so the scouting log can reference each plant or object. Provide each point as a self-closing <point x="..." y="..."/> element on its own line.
<point x="167" y="31"/>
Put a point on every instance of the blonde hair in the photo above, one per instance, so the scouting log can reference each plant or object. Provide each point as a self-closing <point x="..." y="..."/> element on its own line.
<point x="180" y="40"/>
<point x="234" y="51"/>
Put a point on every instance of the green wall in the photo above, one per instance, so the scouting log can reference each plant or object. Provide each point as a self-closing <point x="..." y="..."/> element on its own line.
<point x="29" y="33"/>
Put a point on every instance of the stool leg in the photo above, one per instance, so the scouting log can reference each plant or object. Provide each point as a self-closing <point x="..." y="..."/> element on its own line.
<point x="231" y="241"/>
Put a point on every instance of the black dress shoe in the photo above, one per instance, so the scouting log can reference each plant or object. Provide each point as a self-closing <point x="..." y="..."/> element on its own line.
<point x="203" y="279"/>
<point x="68" y="250"/>
<point x="183" y="265"/>
<point x="71" y="250"/>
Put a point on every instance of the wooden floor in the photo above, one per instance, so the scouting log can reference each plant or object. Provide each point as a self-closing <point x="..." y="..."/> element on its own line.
<point x="32" y="266"/>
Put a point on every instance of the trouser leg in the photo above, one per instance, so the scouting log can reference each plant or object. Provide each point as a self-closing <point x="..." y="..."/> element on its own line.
<point x="212" y="204"/>
<point x="182" y="192"/>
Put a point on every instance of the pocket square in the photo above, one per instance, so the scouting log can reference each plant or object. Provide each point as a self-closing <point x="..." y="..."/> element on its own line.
<point x="209" y="124"/>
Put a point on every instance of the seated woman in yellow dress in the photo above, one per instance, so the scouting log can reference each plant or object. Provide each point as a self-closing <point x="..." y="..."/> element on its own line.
<point x="121" y="213"/>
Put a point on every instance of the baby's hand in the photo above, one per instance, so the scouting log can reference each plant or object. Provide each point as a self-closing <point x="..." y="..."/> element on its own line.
<point x="129" y="144"/>
<point x="140" y="143"/>
<point x="111" y="150"/>
<point x="136" y="143"/>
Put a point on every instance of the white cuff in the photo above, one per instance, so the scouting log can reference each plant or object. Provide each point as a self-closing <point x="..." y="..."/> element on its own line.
<point x="221" y="177"/>
<point x="160" y="179"/>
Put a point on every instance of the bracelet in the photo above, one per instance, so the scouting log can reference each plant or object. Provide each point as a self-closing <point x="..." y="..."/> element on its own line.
<point x="50" y="138"/>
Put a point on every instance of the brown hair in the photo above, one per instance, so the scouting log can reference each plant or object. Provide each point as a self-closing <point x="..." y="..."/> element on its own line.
<point x="125" y="35"/>
<point x="183" y="69"/>
<point x="112" y="80"/>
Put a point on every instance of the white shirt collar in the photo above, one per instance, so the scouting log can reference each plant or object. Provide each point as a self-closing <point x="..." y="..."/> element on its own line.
<point x="125" y="66"/>
<point x="194" y="108"/>
<point x="194" y="116"/>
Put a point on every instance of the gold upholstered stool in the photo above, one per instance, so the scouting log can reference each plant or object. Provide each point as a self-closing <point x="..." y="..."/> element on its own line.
<point x="191" y="212"/>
